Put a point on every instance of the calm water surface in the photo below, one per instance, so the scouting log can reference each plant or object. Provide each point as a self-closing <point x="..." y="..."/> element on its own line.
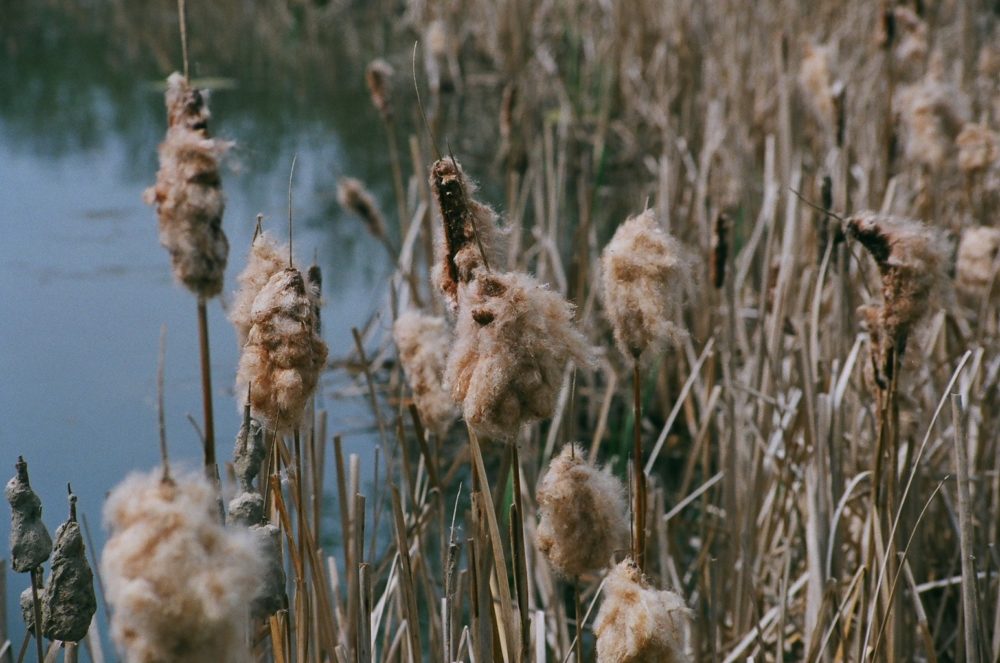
<point x="84" y="284"/>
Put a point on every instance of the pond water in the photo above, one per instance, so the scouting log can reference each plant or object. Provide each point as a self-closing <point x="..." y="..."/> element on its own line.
<point x="84" y="284"/>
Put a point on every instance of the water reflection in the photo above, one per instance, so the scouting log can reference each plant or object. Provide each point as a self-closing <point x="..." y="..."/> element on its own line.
<point x="84" y="284"/>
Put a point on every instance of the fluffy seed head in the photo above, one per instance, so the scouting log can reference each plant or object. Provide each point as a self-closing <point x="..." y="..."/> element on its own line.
<point x="180" y="583"/>
<point x="977" y="260"/>
<point x="188" y="192"/>
<point x="817" y="85"/>
<point x="514" y="337"/>
<point x="637" y="623"/>
<point x="266" y="259"/>
<point x="423" y="342"/>
<point x="644" y="275"/>
<point x="30" y="543"/>
<point x="284" y="355"/>
<point x="469" y="234"/>
<point x="378" y="76"/>
<point x="353" y="196"/>
<point x="582" y="514"/>
<point x="911" y="259"/>
<point x="932" y="111"/>
<point x="977" y="148"/>
<point x="911" y="40"/>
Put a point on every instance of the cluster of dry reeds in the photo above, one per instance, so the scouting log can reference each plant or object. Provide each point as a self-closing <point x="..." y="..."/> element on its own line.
<point x="719" y="383"/>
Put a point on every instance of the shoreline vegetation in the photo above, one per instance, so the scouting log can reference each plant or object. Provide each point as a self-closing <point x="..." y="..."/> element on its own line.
<point x="690" y="351"/>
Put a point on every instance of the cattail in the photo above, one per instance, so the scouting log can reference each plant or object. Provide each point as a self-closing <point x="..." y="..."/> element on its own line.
<point x="27" y="604"/>
<point x="354" y="197"/>
<point x="911" y="259"/>
<point x="469" y="229"/>
<point x="284" y="355"/>
<point x="435" y="53"/>
<point x="423" y="342"/>
<point x="644" y="275"/>
<point x="976" y="263"/>
<point x="583" y="519"/>
<point x="266" y="259"/>
<point x="314" y="288"/>
<point x="30" y="543"/>
<point x="378" y="76"/>
<point x="910" y="51"/>
<point x="720" y="250"/>
<point x="247" y="510"/>
<point x="514" y="338"/>
<point x="932" y="112"/>
<point x="977" y="148"/>
<point x="188" y="192"/>
<point x="179" y="582"/>
<point x="69" y="604"/>
<point x="637" y="623"/>
<point x="817" y="86"/>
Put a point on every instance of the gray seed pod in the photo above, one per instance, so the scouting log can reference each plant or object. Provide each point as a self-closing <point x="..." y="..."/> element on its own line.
<point x="249" y="452"/>
<point x="69" y="603"/>
<point x="30" y="543"/>
<point x="271" y="592"/>
<point x="247" y="509"/>
<point x="27" y="610"/>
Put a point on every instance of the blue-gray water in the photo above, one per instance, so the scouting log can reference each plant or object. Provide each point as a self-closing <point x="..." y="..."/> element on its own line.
<point x="84" y="284"/>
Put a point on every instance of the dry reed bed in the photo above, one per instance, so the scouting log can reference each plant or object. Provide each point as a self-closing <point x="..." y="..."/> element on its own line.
<point x="817" y="459"/>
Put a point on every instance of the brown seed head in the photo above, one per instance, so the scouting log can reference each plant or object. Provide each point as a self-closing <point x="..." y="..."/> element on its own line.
<point x="637" y="623"/>
<point x="353" y="196"/>
<point x="423" y="342"/>
<point x="378" y="76"/>
<point x="267" y="258"/>
<point x="976" y="263"/>
<point x="514" y="338"/>
<point x="644" y="275"/>
<point x="582" y="514"/>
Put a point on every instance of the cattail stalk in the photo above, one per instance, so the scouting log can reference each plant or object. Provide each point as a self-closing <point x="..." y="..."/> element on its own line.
<point x="206" y="390"/>
<point x="970" y="617"/>
<point x="639" y="506"/>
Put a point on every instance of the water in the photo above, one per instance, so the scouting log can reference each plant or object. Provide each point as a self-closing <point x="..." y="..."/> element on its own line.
<point x="84" y="284"/>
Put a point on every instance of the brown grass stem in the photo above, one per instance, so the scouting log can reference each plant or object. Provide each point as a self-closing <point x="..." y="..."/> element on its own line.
<point x="639" y="507"/>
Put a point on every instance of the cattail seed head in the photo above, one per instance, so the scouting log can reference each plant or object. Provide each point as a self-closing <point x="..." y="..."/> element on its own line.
<point x="270" y="594"/>
<point x="69" y="603"/>
<point x="267" y="258"/>
<point x="378" y="76"/>
<point x="284" y="355"/>
<point x="30" y="543"/>
<point x="514" y="338"/>
<point x="582" y="514"/>
<point x="27" y="604"/>
<point x="817" y="85"/>
<point x="468" y="240"/>
<point x="179" y="582"/>
<point x="644" y="275"/>
<point x="637" y="623"/>
<point x="188" y="192"/>
<point x="978" y="148"/>
<point x="354" y="197"/>
<point x="423" y="342"/>
<point x="911" y="259"/>
<point x="932" y="112"/>
<point x="976" y="263"/>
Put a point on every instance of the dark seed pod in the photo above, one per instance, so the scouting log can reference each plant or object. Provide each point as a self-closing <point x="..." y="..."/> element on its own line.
<point x="30" y="543"/>
<point x="69" y="604"/>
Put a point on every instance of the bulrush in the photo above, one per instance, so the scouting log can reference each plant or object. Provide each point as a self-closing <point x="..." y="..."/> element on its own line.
<point x="247" y="510"/>
<point x="266" y="259"/>
<point x="817" y="86"/>
<point x="637" y="623"/>
<point x="977" y="261"/>
<point x="378" y="76"/>
<point x="423" y="342"/>
<point x="188" y="192"/>
<point x="978" y="148"/>
<point x="469" y="229"/>
<point x="932" y="112"/>
<point x="582" y="514"/>
<point x="911" y="259"/>
<point x="354" y="197"/>
<point x="68" y="603"/>
<point x="644" y="275"/>
<point x="30" y="543"/>
<point x="179" y="583"/>
<point x="514" y="338"/>
<point x="283" y="355"/>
